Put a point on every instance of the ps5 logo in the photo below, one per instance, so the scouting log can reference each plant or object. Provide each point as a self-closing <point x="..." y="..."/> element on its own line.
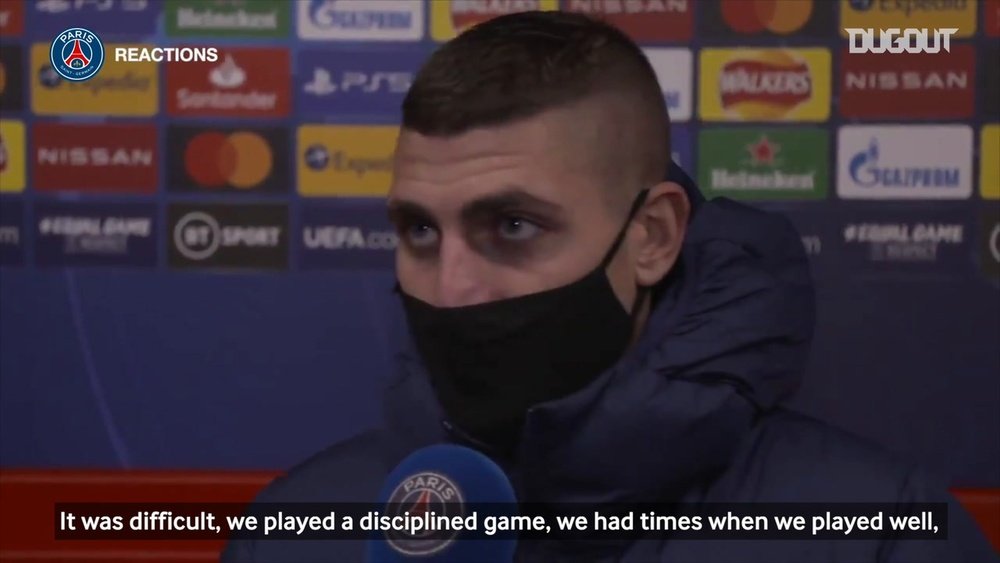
<point x="895" y="40"/>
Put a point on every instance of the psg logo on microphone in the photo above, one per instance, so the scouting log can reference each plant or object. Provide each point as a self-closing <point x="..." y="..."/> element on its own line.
<point x="76" y="54"/>
<point x="427" y="496"/>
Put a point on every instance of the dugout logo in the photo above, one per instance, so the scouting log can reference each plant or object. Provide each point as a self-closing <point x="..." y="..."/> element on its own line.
<point x="239" y="236"/>
<point x="243" y="160"/>
<point x="76" y="54"/>
<point x="244" y="82"/>
<point x="424" y="493"/>
<point x="674" y="72"/>
<point x="941" y="86"/>
<point x="360" y="20"/>
<point x="643" y="20"/>
<point x="905" y="162"/>
<point x="765" y="85"/>
<point x="776" y="18"/>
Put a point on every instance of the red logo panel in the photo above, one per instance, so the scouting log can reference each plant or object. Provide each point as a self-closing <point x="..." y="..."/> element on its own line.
<point x="95" y="158"/>
<point x="909" y="85"/>
<point x="643" y="20"/>
<point x="244" y="82"/>
<point x="12" y="18"/>
<point x="991" y="18"/>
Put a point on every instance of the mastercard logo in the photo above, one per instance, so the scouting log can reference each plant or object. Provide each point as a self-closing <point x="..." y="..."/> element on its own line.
<point x="242" y="159"/>
<point x="777" y="16"/>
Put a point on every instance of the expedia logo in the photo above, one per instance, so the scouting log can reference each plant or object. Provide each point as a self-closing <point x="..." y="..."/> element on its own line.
<point x="419" y="494"/>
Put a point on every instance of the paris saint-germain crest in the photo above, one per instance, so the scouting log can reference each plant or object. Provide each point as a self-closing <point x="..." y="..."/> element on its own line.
<point x="77" y="54"/>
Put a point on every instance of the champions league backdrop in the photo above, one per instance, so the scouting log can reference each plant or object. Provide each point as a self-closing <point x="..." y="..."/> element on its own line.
<point x="197" y="269"/>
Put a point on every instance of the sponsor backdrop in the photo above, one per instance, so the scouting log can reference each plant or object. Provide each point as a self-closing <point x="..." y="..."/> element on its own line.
<point x="197" y="268"/>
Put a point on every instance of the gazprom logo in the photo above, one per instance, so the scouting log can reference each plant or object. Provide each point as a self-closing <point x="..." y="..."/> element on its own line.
<point x="895" y="40"/>
<point x="77" y="54"/>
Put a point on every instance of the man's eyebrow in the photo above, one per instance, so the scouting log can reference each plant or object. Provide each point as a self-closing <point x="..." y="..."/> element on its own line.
<point x="511" y="197"/>
<point x="396" y="209"/>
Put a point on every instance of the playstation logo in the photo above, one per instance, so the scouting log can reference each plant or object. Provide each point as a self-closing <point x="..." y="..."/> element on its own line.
<point x="321" y="85"/>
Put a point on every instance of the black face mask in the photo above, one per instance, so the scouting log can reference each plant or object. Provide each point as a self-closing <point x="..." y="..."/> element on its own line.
<point x="489" y="363"/>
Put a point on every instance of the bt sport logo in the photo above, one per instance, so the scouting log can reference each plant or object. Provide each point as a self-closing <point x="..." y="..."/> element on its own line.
<point x="895" y="40"/>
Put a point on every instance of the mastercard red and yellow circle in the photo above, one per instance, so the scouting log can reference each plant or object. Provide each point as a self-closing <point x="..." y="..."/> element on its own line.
<point x="242" y="159"/>
<point x="776" y="16"/>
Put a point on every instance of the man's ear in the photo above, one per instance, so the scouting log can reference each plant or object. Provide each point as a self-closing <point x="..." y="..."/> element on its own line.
<point x="664" y="219"/>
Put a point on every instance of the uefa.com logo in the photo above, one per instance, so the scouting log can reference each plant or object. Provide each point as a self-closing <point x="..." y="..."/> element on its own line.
<point x="895" y="40"/>
<point x="77" y="54"/>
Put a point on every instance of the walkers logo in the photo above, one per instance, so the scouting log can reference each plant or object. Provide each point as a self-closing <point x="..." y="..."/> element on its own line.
<point x="674" y="72"/>
<point x="989" y="162"/>
<point x="121" y="88"/>
<point x="991" y="18"/>
<point x="346" y="234"/>
<point x="989" y="246"/>
<point x="888" y="241"/>
<point x="231" y="159"/>
<point x="761" y="164"/>
<point x="337" y="160"/>
<point x="370" y="83"/>
<point x="119" y="158"/>
<point x="76" y="54"/>
<point x="95" y="234"/>
<point x="11" y="232"/>
<point x="451" y="17"/>
<point x="245" y="82"/>
<point x="253" y="236"/>
<point x="12" y="157"/>
<point x="11" y="78"/>
<point x="941" y="86"/>
<point x="893" y="14"/>
<point x="905" y="162"/>
<point x="765" y="85"/>
<point x="680" y="146"/>
<point x="228" y="18"/>
<point x="11" y="19"/>
<point x="138" y="17"/>
<point x="990" y="80"/>
<point x="643" y="20"/>
<point x="360" y="20"/>
<point x="720" y="18"/>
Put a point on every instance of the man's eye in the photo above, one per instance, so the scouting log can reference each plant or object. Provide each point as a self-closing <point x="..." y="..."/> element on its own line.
<point x="517" y="229"/>
<point x="421" y="235"/>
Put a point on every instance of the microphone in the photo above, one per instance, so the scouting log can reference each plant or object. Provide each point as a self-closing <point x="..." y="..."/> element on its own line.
<point x="444" y="480"/>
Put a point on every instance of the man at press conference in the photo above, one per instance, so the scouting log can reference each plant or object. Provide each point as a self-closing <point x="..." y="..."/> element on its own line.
<point x="581" y="315"/>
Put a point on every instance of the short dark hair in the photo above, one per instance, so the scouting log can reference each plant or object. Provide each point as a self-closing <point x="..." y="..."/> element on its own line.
<point x="519" y="65"/>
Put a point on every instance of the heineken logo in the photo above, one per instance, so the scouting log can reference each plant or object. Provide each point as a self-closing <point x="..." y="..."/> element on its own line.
<point x="764" y="164"/>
